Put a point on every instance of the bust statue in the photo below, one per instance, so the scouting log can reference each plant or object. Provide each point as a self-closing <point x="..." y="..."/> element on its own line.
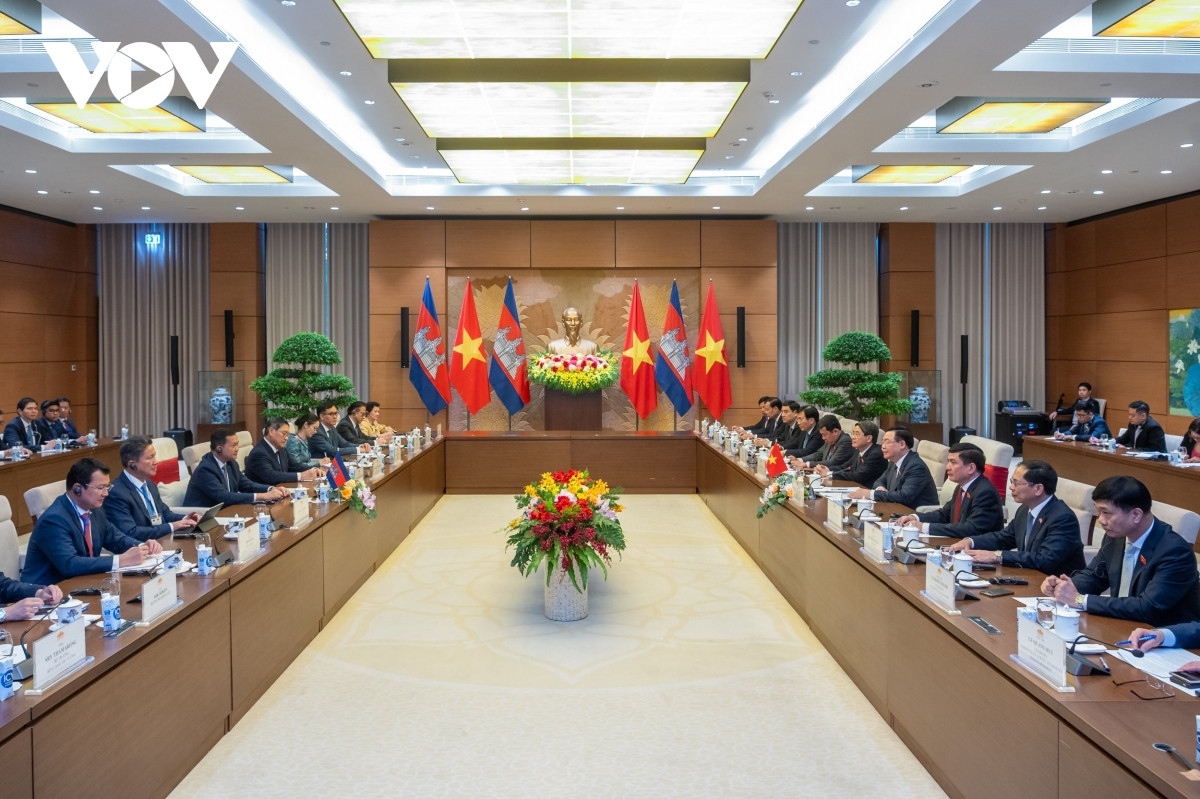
<point x="572" y="321"/>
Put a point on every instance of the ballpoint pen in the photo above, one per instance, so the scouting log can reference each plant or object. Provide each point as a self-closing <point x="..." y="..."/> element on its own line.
<point x="1141" y="640"/>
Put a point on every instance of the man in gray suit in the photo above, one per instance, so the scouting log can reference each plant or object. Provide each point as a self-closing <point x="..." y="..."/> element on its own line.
<point x="836" y="454"/>
<point x="906" y="480"/>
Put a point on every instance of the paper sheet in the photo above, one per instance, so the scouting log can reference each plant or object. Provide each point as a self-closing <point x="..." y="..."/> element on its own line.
<point x="1160" y="663"/>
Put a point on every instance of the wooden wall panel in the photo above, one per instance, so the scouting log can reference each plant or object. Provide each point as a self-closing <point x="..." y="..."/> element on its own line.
<point x="1136" y="336"/>
<point x="909" y="247"/>
<point x="1132" y="286"/>
<point x="756" y="290"/>
<point x="36" y="242"/>
<point x="1081" y="247"/>
<point x="393" y="289"/>
<point x="420" y="243"/>
<point x="1183" y="280"/>
<point x="738" y="243"/>
<point x="233" y="247"/>
<point x="1135" y="235"/>
<point x="1183" y="226"/>
<point x="901" y="292"/>
<point x="487" y="243"/>
<point x="650" y="244"/>
<point x="586" y="244"/>
<point x="237" y="283"/>
<point x="762" y="337"/>
<point x="241" y="292"/>
<point x="1123" y="382"/>
<point x="1056" y="295"/>
<point x="897" y="332"/>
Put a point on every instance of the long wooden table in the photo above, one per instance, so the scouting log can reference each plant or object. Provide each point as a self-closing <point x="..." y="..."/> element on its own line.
<point x="981" y="724"/>
<point x="155" y="699"/>
<point x="1085" y="463"/>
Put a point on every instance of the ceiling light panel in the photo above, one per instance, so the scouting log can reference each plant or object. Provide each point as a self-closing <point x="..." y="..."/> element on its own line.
<point x="174" y="115"/>
<point x="580" y="167"/>
<point x="568" y="28"/>
<point x="928" y="174"/>
<point x="238" y="174"/>
<point x="975" y="115"/>
<point x="1156" y="18"/>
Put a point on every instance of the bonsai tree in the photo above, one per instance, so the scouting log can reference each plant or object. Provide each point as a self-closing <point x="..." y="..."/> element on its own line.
<point x="857" y="393"/>
<point x="289" y="392"/>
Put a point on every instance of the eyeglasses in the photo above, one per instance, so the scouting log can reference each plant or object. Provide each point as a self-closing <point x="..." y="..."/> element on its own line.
<point x="1161" y="689"/>
<point x="1014" y="482"/>
<point x="102" y="489"/>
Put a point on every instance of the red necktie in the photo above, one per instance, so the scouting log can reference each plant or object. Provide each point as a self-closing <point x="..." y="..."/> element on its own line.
<point x="957" y="505"/>
<point x="87" y="533"/>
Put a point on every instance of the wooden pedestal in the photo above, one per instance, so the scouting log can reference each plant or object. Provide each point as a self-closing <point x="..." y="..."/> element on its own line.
<point x="573" y="411"/>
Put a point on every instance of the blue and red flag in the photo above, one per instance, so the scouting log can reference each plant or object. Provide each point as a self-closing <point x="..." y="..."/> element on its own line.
<point x="337" y="473"/>
<point x="428" y="372"/>
<point x="509" y="372"/>
<point x="672" y="366"/>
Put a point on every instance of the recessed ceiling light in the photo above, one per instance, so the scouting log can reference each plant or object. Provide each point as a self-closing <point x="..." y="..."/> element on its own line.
<point x="345" y="73"/>
<point x="287" y="3"/>
<point x="1185" y="146"/>
<point x="334" y="208"/>
<point x="716" y="208"/>
<point x="997" y="207"/>
<point x="145" y="208"/>
<point x="400" y="138"/>
<point x="808" y="208"/>
<point x="1041" y="208"/>
<point x="42" y="191"/>
<point x="904" y="208"/>
<point x="240" y="208"/>
<point x="30" y="171"/>
<point x="369" y="102"/>
<point x="742" y="138"/>
<point x="1097" y="191"/>
<point x="1105" y="171"/>
<point x="774" y="101"/>
<point x="1165" y="172"/>
<point x="729" y="158"/>
<point x="1045" y="191"/>
<point x="851" y="3"/>
<point x="97" y="208"/>
<point x="93" y="191"/>
<point x="620" y="208"/>
<point x="525" y="208"/>
<point x="429" y="208"/>
<point x="797" y="74"/>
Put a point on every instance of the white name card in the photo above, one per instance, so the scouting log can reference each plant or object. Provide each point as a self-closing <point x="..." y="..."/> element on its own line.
<point x="835" y="514"/>
<point x="1043" y="653"/>
<point x="158" y="596"/>
<point x="873" y="543"/>
<point x="940" y="588"/>
<point x="247" y="543"/>
<point x="300" y="512"/>
<point x="58" y="654"/>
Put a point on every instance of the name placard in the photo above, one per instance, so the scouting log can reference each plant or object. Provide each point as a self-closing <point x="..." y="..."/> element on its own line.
<point x="300" y="512"/>
<point x="835" y="514"/>
<point x="247" y="543"/>
<point x="940" y="588"/>
<point x="873" y="543"/>
<point x="1043" y="653"/>
<point x="158" y="596"/>
<point x="58" y="654"/>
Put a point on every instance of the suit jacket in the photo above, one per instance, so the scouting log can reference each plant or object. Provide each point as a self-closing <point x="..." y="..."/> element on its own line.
<point x="912" y="485"/>
<point x="57" y="550"/>
<point x="979" y="513"/>
<point x="864" y="467"/>
<point x="298" y="449"/>
<point x="1187" y="635"/>
<point x="1164" y="589"/>
<point x="770" y="428"/>
<point x="50" y="431"/>
<point x="758" y="426"/>
<point x="1054" y="546"/>
<point x="14" y="590"/>
<point x="1151" y="437"/>
<point x="69" y="426"/>
<point x="807" y="444"/>
<point x="833" y="458"/>
<point x="14" y="433"/>
<point x="327" y="442"/>
<point x="349" y="430"/>
<point x="208" y="487"/>
<point x="788" y="436"/>
<point x="126" y="509"/>
<point x="265" y="465"/>
<point x="1083" y="432"/>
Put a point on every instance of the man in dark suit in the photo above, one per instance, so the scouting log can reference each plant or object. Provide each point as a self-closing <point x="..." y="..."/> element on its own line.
<point x="771" y="423"/>
<point x="219" y="481"/>
<point x="350" y="427"/>
<point x="68" y="538"/>
<point x="837" y="451"/>
<point x="1064" y="417"/>
<point x="868" y="462"/>
<point x="1089" y="427"/>
<point x="134" y="505"/>
<point x="1044" y="532"/>
<point x="64" y="415"/>
<point x="271" y="463"/>
<point x="1148" y="569"/>
<point x="22" y="430"/>
<point x="808" y="440"/>
<point x="27" y="599"/>
<point x="788" y="433"/>
<point x="1143" y="432"/>
<point x="906" y="480"/>
<point x="975" y="507"/>
<point x="1185" y="635"/>
<point x="49" y="426"/>
<point x="326" y="441"/>
<point x="756" y="428"/>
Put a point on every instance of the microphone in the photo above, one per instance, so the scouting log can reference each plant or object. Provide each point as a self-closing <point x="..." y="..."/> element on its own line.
<point x="1137" y="653"/>
<point x="24" y="669"/>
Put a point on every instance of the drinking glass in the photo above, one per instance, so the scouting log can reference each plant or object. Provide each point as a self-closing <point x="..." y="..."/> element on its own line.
<point x="1045" y="612"/>
<point x="947" y="557"/>
<point x="1104" y="441"/>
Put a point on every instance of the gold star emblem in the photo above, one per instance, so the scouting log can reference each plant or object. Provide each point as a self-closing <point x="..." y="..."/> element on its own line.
<point x="711" y="352"/>
<point x="471" y="349"/>
<point x="639" y="352"/>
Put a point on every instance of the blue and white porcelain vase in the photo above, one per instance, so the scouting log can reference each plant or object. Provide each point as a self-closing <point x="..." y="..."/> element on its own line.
<point x="221" y="405"/>
<point x="920" y="410"/>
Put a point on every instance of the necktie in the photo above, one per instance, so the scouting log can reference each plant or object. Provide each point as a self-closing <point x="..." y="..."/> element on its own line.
<point x="1127" y="567"/>
<point x="1137" y="429"/>
<point x="957" y="506"/>
<point x="891" y="478"/>
<point x="150" y="509"/>
<point x="1028" y="532"/>
<point x="87" y="533"/>
<point x="225" y="472"/>
<point x="29" y="435"/>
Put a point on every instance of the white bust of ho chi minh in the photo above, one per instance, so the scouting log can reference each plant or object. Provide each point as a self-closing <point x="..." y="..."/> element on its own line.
<point x="572" y="321"/>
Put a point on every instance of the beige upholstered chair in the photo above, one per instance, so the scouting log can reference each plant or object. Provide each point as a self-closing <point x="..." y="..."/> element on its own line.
<point x="935" y="455"/>
<point x="245" y="444"/>
<point x="38" y="498"/>
<point x="165" y="449"/>
<point x="1078" y="497"/>
<point x="193" y="454"/>
<point x="173" y="493"/>
<point x="10" y="549"/>
<point x="998" y="458"/>
<point x="1185" y="522"/>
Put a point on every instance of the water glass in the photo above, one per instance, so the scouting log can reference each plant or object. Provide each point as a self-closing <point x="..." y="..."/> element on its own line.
<point x="1104" y="441"/>
<point x="947" y="557"/>
<point x="1046" y="608"/>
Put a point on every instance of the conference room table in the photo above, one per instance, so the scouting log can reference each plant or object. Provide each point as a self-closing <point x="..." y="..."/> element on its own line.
<point x="48" y="467"/>
<point x="979" y="722"/>
<point x="152" y="701"/>
<point x="1086" y="463"/>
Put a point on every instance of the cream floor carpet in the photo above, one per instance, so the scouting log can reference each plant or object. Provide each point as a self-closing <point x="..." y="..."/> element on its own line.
<point x="691" y="677"/>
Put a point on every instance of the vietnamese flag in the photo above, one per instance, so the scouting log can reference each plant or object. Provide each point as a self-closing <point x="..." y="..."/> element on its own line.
<point x="710" y="377"/>
<point x="468" y="366"/>
<point x="775" y="462"/>
<point x="637" y="366"/>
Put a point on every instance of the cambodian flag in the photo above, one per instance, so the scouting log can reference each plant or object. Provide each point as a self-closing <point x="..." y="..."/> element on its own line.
<point x="671" y="368"/>
<point x="337" y="473"/>
<point x="427" y="371"/>
<point x="508" y="372"/>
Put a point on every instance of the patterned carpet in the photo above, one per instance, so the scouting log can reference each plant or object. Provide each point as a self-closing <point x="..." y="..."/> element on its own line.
<point x="691" y="677"/>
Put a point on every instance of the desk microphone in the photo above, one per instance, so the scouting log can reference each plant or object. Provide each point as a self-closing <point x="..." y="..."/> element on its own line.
<point x="1137" y="653"/>
<point x="24" y="669"/>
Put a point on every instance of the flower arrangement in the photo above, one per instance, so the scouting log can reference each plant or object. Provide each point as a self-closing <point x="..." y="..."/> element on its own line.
<point x="567" y="520"/>
<point x="779" y="491"/>
<point x="360" y="497"/>
<point x="575" y="373"/>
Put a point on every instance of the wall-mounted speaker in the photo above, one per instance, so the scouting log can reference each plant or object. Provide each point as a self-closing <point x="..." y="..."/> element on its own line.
<point x="741" y="337"/>
<point x="963" y="361"/>
<point x="175" y="360"/>
<point x="229" y="338"/>
<point x="405" y="339"/>
<point x="914" y="358"/>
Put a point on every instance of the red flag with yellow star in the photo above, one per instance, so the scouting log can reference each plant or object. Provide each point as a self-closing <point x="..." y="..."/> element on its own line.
<point x="637" y="364"/>
<point x="710" y="372"/>
<point x="468" y="365"/>
<point x="776" y="465"/>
